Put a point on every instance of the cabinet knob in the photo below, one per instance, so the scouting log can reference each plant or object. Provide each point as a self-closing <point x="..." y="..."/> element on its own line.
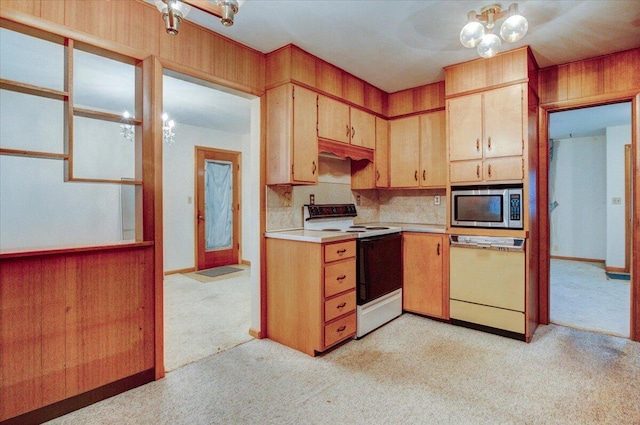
<point x="477" y="145"/>
<point x="353" y="132"/>
<point x="489" y="143"/>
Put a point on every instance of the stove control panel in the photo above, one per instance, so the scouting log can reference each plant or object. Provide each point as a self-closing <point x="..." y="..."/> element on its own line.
<point x="330" y="210"/>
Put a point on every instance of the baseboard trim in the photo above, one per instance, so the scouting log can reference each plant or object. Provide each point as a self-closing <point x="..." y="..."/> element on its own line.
<point x="615" y="270"/>
<point x="79" y="401"/>
<point x="246" y="262"/>
<point x="588" y="260"/>
<point x="189" y="270"/>
<point x="255" y="333"/>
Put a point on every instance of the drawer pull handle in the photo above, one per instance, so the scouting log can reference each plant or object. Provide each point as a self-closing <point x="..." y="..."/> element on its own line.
<point x="341" y="306"/>
<point x="424" y="175"/>
<point x="438" y="249"/>
<point x="477" y="171"/>
<point x="314" y="168"/>
<point x="377" y="175"/>
<point x="489" y="170"/>
<point x="343" y="277"/>
<point x="353" y="132"/>
<point x="341" y="251"/>
<point x="477" y="145"/>
<point x="415" y="175"/>
<point x="348" y="131"/>
<point x="489" y="143"/>
<point x="341" y="328"/>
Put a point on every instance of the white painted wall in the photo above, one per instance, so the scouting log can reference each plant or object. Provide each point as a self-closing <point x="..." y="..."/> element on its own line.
<point x="578" y="224"/>
<point x="179" y="193"/>
<point x="617" y="138"/>
<point x="251" y="231"/>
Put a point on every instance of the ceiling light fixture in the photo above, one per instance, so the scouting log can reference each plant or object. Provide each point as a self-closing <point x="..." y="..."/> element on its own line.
<point x="173" y="12"/>
<point x="473" y="34"/>
<point x="126" y="128"/>
<point x="168" y="135"/>
<point x="229" y="10"/>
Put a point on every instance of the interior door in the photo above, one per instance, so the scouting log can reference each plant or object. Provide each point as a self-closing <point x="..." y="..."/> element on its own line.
<point x="218" y="207"/>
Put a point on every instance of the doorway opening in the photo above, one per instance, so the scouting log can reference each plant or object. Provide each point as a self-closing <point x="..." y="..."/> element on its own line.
<point x="589" y="218"/>
<point x="204" y="182"/>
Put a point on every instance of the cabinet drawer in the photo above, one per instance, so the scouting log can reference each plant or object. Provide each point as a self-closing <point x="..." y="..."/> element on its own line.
<point x="338" y="306"/>
<point x="508" y="168"/>
<point x="339" y="277"/>
<point x="488" y="316"/>
<point x="339" y="251"/>
<point x="339" y="330"/>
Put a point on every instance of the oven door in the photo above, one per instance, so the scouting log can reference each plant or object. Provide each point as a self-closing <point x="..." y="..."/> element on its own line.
<point x="379" y="269"/>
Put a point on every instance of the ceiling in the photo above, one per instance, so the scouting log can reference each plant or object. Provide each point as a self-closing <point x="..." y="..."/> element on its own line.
<point x="400" y="44"/>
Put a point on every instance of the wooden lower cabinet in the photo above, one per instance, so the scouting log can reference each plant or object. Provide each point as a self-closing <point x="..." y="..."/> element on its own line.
<point x="311" y="298"/>
<point x="425" y="269"/>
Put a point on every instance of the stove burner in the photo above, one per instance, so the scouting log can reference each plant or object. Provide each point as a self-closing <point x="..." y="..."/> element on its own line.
<point x="377" y="228"/>
<point x="357" y="227"/>
<point x="331" y="230"/>
<point x="355" y="231"/>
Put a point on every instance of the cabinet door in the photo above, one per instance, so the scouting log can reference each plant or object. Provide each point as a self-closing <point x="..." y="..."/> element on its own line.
<point x="423" y="283"/>
<point x="508" y="168"/>
<point x="363" y="129"/>
<point x="382" y="152"/>
<point x="305" y="139"/>
<point x="503" y="115"/>
<point x="465" y="127"/>
<point x="404" y="158"/>
<point x="333" y="120"/>
<point x="465" y="172"/>
<point x="433" y="157"/>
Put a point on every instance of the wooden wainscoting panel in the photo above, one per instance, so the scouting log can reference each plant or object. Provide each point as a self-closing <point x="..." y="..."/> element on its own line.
<point x="622" y="71"/>
<point x="328" y="78"/>
<point x="31" y="7"/>
<point x="353" y="89"/>
<point x="32" y="336"/>
<point x="106" y="327"/>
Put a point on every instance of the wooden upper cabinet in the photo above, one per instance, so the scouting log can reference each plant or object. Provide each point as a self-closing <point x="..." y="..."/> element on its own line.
<point x="433" y="145"/>
<point x="292" y="141"/>
<point x="503" y="112"/>
<point x="382" y="153"/>
<point x="333" y="120"/>
<point x="486" y="135"/>
<point x="363" y="129"/>
<point x="465" y="127"/>
<point x="404" y="152"/>
<point x="417" y="152"/>
<point x="341" y="123"/>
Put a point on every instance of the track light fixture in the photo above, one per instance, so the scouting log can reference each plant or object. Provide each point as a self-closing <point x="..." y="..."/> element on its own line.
<point x="473" y="34"/>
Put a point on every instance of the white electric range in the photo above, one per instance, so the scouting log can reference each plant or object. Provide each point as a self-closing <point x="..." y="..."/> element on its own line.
<point x="378" y="260"/>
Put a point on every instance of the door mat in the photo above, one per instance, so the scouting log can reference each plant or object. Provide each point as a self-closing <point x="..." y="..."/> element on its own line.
<point x="218" y="271"/>
<point x="619" y="276"/>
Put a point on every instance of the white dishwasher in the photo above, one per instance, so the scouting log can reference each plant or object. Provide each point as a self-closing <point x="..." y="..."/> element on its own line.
<point x="487" y="284"/>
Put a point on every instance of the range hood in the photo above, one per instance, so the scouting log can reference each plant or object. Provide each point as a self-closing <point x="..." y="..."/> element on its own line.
<point x="343" y="150"/>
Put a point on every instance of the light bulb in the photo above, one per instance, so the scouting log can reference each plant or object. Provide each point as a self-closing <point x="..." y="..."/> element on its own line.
<point x="489" y="46"/>
<point x="514" y="28"/>
<point x="126" y="115"/>
<point x="165" y="117"/>
<point x="472" y="32"/>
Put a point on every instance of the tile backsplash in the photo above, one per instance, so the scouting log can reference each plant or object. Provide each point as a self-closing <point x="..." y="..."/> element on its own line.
<point x="284" y="203"/>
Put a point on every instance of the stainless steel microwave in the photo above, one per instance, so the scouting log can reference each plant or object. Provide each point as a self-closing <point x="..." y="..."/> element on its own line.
<point x="488" y="207"/>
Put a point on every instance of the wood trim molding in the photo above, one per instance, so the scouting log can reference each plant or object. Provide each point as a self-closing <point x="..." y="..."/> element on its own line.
<point x="586" y="260"/>
<point x="256" y="333"/>
<point x="344" y="150"/>
<point x="72" y="250"/>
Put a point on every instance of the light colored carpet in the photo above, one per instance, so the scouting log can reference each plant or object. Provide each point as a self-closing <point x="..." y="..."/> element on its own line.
<point x="583" y="297"/>
<point x="202" y="319"/>
<point x="411" y="371"/>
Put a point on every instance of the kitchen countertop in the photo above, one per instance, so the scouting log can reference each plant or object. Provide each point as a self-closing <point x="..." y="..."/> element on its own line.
<point x="318" y="236"/>
<point x="315" y="236"/>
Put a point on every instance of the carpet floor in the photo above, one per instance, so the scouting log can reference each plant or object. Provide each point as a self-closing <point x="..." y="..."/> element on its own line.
<point x="205" y="316"/>
<point x="411" y="371"/>
<point x="583" y="297"/>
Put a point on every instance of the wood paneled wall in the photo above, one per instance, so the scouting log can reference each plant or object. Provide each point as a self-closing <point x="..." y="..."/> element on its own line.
<point x="417" y="100"/>
<point x="66" y="327"/>
<point x="604" y="79"/>
<point x="135" y="28"/>
<point x="602" y="76"/>
<point x="292" y="64"/>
